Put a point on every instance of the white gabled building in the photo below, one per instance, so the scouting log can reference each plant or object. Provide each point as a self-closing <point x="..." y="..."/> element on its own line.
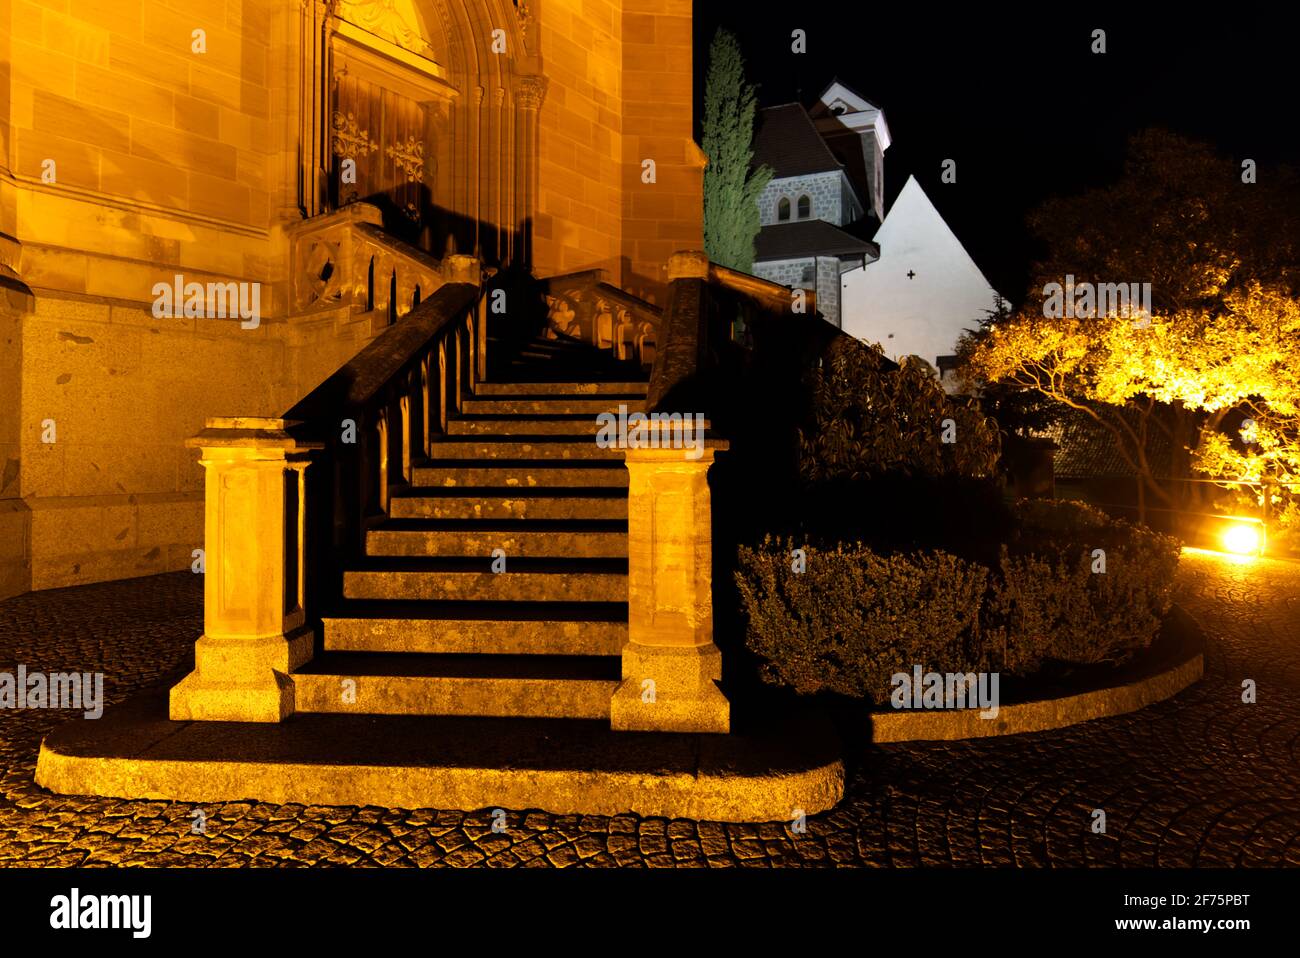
<point x="901" y="279"/>
<point x="922" y="292"/>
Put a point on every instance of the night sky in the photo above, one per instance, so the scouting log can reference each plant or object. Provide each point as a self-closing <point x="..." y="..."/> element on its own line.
<point x="1020" y="101"/>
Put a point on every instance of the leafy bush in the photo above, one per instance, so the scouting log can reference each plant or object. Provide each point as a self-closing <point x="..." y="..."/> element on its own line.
<point x="856" y="616"/>
<point x="853" y="618"/>
<point x="869" y="419"/>
<point x="1053" y="602"/>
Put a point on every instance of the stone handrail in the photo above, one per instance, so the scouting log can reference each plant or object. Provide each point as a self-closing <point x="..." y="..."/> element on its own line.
<point x="583" y="306"/>
<point x="376" y="414"/>
<point x="288" y="500"/>
<point x="718" y="323"/>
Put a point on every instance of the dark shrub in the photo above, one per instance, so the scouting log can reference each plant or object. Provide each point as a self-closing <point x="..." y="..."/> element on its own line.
<point x="1052" y="602"/>
<point x="854" y="617"/>
<point x="869" y="418"/>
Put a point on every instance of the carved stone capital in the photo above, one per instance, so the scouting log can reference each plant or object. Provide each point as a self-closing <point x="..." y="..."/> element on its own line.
<point x="530" y="91"/>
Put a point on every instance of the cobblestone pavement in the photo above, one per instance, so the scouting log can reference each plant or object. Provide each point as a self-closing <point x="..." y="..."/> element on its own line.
<point x="1200" y="780"/>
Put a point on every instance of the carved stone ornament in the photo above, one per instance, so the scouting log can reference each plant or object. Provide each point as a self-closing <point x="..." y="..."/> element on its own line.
<point x="409" y="157"/>
<point x="525" y="17"/>
<point x="348" y="139"/>
<point x="393" y="20"/>
<point x="530" y="91"/>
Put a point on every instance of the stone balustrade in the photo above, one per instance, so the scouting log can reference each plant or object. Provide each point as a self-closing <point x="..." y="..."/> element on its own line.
<point x="289" y="498"/>
<point x="346" y="260"/>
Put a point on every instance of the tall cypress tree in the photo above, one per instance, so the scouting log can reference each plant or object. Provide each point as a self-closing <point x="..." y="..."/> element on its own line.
<point x="731" y="188"/>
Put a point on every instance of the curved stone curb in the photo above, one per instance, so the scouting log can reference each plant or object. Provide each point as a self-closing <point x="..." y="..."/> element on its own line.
<point x="1159" y="680"/>
<point x="559" y="766"/>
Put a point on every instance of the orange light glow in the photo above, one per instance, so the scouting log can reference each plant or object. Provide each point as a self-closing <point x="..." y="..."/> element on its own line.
<point x="1244" y="538"/>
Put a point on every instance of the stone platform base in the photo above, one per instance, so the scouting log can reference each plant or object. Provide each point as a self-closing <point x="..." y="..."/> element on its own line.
<point x="558" y="765"/>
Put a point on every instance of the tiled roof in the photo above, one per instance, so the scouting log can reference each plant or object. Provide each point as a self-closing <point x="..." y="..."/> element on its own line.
<point x="786" y="140"/>
<point x="808" y="238"/>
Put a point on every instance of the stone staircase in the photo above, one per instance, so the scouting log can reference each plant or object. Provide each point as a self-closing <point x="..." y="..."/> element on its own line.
<point x="427" y="627"/>
<point x="581" y="679"/>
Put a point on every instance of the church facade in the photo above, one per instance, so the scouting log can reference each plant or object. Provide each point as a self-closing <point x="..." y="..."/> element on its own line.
<point x="291" y="178"/>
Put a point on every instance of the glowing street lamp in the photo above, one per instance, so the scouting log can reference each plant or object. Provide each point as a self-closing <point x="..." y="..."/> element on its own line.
<point x="1244" y="537"/>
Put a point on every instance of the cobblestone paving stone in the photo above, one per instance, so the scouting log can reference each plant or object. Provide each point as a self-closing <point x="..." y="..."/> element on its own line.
<point x="1201" y="780"/>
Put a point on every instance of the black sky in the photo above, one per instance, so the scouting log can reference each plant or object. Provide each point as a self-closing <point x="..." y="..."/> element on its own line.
<point x="1018" y="99"/>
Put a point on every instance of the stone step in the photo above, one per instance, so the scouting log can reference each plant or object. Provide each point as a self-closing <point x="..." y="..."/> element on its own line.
<point x="496" y="504"/>
<point x="573" y="448"/>
<point x="543" y="388"/>
<point x="489" y="686"/>
<point x="582" y="425"/>
<point x="524" y="539"/>
<point x="521" y="473"/>
<point x="508" y="628"/>
<point x="552" y="406"/>
<point x="566" y="345"/>
<point x="525" y="580"/>
<point x="667" y="432"/>
<point x="759" y="773"/>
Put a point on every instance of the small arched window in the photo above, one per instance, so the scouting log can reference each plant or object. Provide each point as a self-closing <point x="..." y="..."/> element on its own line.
<point x="805" y="207"/>
<point x="783" y="209"/>
<point x="415" y="297"/>
<point x="370" y="286"/>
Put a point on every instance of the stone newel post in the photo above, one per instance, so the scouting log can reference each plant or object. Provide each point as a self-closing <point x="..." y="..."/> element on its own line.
<point x="670" y="664"/>
<point x="254" y="590"/>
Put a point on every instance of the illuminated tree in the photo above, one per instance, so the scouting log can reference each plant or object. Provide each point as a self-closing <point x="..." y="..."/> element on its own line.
<point x="1221" y="336"/>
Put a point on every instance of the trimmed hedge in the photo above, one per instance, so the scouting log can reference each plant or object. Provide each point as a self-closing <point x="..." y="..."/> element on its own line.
<point x="855" y="616"/>
<point x="1049" y="604"/>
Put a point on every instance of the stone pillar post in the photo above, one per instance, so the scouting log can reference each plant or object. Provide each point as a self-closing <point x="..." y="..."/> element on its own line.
<point x="254" y="614"/>
<point x="670" y="664"/>
<point x="529" y="94"/>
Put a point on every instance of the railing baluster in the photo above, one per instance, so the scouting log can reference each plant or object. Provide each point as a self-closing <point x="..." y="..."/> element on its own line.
<point x="347" y="423"/>
<point x="471" y="345"/>
<point x="482" y="338"/>
<point x="460" y="364"/>
<point x="442" y="385"/>
<point x="426" y="439"/>
<point x="404" y="405"/>
<point x="382" y="427"/>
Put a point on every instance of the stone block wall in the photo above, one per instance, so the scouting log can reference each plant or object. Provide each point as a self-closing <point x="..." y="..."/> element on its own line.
<point x="818" y="273"/>
<point x="828" y="288"/>
<point x="795" y="273"/>
<point x="169" y="161"/>
<point x="826" y="190"/>
<point x="619" y="92"/>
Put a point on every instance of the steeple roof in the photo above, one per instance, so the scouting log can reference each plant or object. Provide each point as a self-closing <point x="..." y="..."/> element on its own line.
<point x="786" y="140"/>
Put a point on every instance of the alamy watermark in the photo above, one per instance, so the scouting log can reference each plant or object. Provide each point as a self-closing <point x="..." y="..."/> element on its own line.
<point x="946" y="690"/>
<point x="658" y="430"/>
<point x="1071" y="300"/>
<point x="77" y="911"/>
<point x="56" y="690"/>
<point x="208" y="301"/>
